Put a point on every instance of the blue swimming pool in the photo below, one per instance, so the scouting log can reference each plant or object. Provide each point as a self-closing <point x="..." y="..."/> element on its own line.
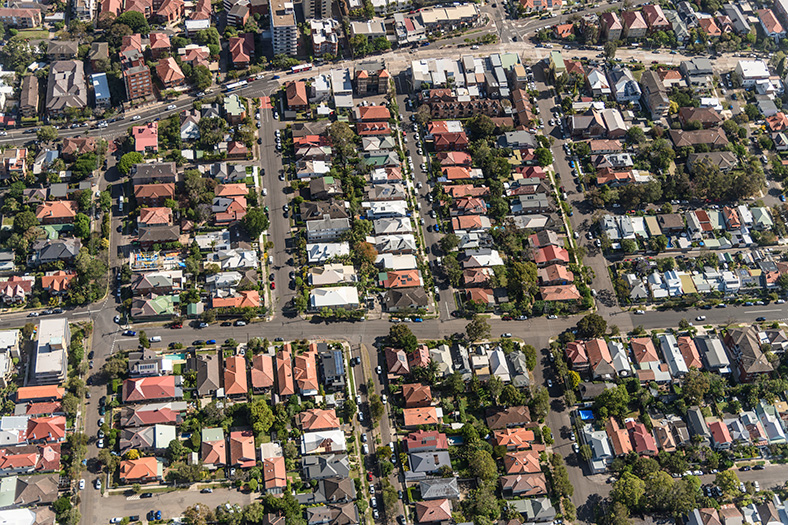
<point x="175" y="357"/>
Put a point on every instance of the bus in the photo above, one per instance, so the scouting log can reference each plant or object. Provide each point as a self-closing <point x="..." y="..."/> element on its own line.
<point x="235" y="85"/>
<point x="300" y="68"/>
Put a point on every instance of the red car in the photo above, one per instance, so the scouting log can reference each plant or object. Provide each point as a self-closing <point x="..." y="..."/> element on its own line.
<point x="273" y="286"/>
<point x="369" y="476"/>
<point x="176" y="326"/>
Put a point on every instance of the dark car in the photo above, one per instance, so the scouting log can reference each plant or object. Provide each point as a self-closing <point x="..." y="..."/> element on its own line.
<point x="90" y="354"/>
<point x="206" y="491"/>
<point x="134" y="518"/>
<point x="226" y="323"/>
<point x="745" y="468"/>
<point x="103" y="401"/>
<point x="278" y="339"/>
<point x="210" y="342"/>
<point x="145" y="495"/>
<point x="760" y="319"/>
<point x="198" y="342"/>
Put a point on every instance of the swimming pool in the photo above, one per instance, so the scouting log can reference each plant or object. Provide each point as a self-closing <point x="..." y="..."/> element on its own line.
<point x="176" y="357"/>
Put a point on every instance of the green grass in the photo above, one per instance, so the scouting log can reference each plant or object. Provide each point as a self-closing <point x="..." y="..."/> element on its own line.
<point x="32" y="33"/>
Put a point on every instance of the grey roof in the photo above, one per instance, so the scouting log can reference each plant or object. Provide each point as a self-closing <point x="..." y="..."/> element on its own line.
<point x="317" y="210"/>
<point x="333" y="365"/>
<point x="697" y="423"/>
<point x="333" y="514"/>
<point x="712" y="351"/>
<point x="57" y="250"/>
<point x="427" y="462"/>
<point x="159" y="233"/>
<point x="405" y="298"/>
<point x="66" y="86"/>
<point x="63" y="47"/>
<point x="439" y="488"/>
<point x="326" y="466"/>
<point x="208" y="374"/>
<point x="154" y="172"/>
<point x="519" y="368"/>
<point x="337" y="489"/>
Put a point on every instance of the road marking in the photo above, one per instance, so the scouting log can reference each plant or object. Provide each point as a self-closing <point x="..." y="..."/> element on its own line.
<point x="764" y="311"/>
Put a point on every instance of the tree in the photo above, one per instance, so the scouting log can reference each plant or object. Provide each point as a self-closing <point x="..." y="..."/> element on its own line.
<point x="46" y="134"/>
<point x="530" y="356"/>
<point x="696" y="386"/>
<point x="381" y="43"/>
<point x="366" y="252"/>
<point x="482" y="464"/>
<point x="540" y="403"/>
<point x="450" y="241"/>
<point x="201" y="77"/>
<point x="481" y="126"/>
<point x="128" y="161"/>
<point x="343" y="138"/>
<point x="175" y="450"/>
<point x="400" y="336"/>
<point x="198" y="514"/>
<point x="25" y="220"/>
<point x="614" y="400"/>
<point x="591" y="326"/>
<point x="543" y="156"/>
<point x="255" y="222"/>
<point x="423" y="114"/>
<point x="82" y="226"/>
<point x="478" y="328"/>
<point x="453" y="384"/>
<point x="494" y="387"/>
<point x="659" y="487"/>
<point x="728" y="481"/>
<point x="629" y="490"/>
<point x="586" y="453"/>
<point x="610" y="49"/>
<point x="135" y="20"/>
<point x="261" y="417"/>
<point x="376" y="408"/>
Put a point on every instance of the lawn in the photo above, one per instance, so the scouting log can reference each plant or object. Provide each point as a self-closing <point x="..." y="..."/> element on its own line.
<point x="32" y="33"/>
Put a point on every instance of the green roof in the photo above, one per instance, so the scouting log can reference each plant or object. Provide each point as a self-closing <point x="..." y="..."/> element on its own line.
<point x="7" y="491"/>
<point x="328" y="180"/>
<point x="212" y="434"/>
<point x="233" y="105"/>
<point x="164" y="304"/>
<point x="509" y="60"/>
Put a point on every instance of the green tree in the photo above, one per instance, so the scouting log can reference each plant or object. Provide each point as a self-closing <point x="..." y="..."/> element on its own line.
<point x="376" y="408"/>
<point x="47" y="134"/>
<point x="261" y="417"/>
<point x="450" y="241"/>
<point x="591" y="326"/>
<point x="82" y="226"/>
<point x="629" y="490"/>
<point x="482" y="465"/>
<point x="25" y="220"/>
<point x="543" y="156"/>
<point x="255" y="222"/>
<point x="610" y="49"/>
<point x="478" y="328"/>
<point x="400" y="336"/>
<point x="201" y="77"/>
<point x="135" y="20"/>
<point x="728" y="481"/>
<point x="586" y="453"/>
<point x="540" y="403"/>
<point x="696" y="386"/>
<point x="614" y="400"/>
<point x="128" y="161"/>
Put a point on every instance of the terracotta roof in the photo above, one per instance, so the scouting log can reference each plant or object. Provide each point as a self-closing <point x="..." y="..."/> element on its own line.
<point x="149" y="389"/>
<point x="262" y="371"/>
<point x="214" y="452"/>
<point x="235" y="376"/>
<point x="168" y="71"/>
<point x="231" y="190"/>
<point x="371" y="113"/>
<point x="619" y="437"/>
<point x="46" y="428"/>
<point x="562" y="292"/>
<point x="416" y="395"/>
<point x="159" y="41"/>
<point x="769" y="21"/>
<point x="689" y="352"/>
<point x="523" y="462"/>
<point x="433" y="510"/>
<point x="284" y="372"/>
<point x="57" y="210"/>
<point x="414" y="417"/>
<point x="420" y="356"/>
<point x="551" y="253"/>
<point x="576" y="354"/>
<point x="426" y="439"/>
<point x="58" y="281"/>
<point x="142" y="468"/>
<point x="155" y="191"/>
<point x="242" y="449"/>
<point x="643" y="350"/>
<point x="77" y="145"/>
<point x="778" y="122"/>
<point x="305" y="371"/>
<point x="642" y="440"/>
<point x="296" y="94"/>
<point x="514" y="438"/>
<point x="274" y="473"/>
<point x="317" y="419"/>
<point x="32" y="393"/>
<point x="154" y="216"/>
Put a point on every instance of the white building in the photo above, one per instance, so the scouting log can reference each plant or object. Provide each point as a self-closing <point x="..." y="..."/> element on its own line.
<point x="752" y="71"/>
<point x="284" y="30"/>
<point x="323" y="251"/>
<point x="54" y="338"/>
<point x="337" y="297"/>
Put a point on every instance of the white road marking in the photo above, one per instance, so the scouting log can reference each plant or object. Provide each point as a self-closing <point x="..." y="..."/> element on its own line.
<point x="765" y="311"/>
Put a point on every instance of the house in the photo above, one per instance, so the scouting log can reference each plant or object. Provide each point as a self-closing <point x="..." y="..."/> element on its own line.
<point x="414" y="417"/>
<point x="305" y="372"/>
<point x="142" y="470"/>
<point x="190" y="121"/>
<point x="338" y="297"/>
<point x="744" y="345"/>
<point x="75" y="146"/>
<point x="672" y="354"/>
<point x="323" y="466"/>
<point x="599" y="359"/>
<point x="213" y="448"/>
<point x="295" y="95"/>
<point x="601" y="453"/>
<point x="158" y="282"/>
<point x="274" y="475"/>
<point x="241" y="50"/>
<point x="159" y="44"/>
<point x="50" y="429"/>
<point x="523" y="485"/>
<point x="405" y="299"/>
<point x="655" y="18"/>
<point x="416" y="395"/>
<point x="624" y="87"/>
<point x="515" y="439"/>
<point x="771" y="27"/>
<point x="422" y="463"/>
<point x="262" y="372"/>
<point x="332" y="367"/>
<point x="342" y="514"/>
<point x="284" y="372"/>
<point x="439" y="488"/>
<point x="317" y="419"/>
<point x="712" y="353"/>
<point x="208" y="376"/>
<point x="698" y="73"/>
<point x="610" y="26"/>
<point x="146" y="138"/>
<point x="397" y="361"/>
<point x="523" y="462"/>
<point x="152" y="414"/>
<point x="153" y="438"/>
<point x="149" y="389"/>
<point x="597" y="83"/>
<point x="634" y="24"/>
<point x="235" y="383"/>
<point x="619" y="437"/>
<point x="643" y="441"/>
<point x="709" y="137"/>
<point x="433" y="511"/>
<point x="16" y="289"/>
<point x="426" y="441"/>
<point x="57" y="212"/>
<point x="707" y="117"/>
<point x="551" y="255"/>
<point x="535" y="510"/>
<point x="720" y="436"/>
<point x="689" y="352"/>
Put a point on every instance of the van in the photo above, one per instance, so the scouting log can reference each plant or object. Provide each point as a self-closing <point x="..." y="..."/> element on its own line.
<point x="155" y="339"/>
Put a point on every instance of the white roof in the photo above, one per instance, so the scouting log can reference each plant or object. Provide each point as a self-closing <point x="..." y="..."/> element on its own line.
<point x="322" y="251"/>
<point x="8" y="338"/>
<point x="17" y="517"/>
<point x="316" y="442"/>
<point x="396" y="262"/>
<point x="753" y="69"/>
<point x="333" y="297"/>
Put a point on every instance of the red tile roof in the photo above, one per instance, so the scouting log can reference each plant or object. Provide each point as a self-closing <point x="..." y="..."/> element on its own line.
<point x="305" y="371"/>
<point x="414" y="417"/>
<point x="318" y="419"/>
<point x="416" y="395"/>
<point x="235" y="376"/>
<point x="295" y="92"/>
<point x="274" y="473"/>
<point x="284" y="372"/>
<point x="524" y="462"/>
<point x="242" y="450"/>
<point x="433" y="510"/>
<point x="561" y="292"/>
<point x="46" y="428"/>
<point x="214" y="452"/>
<point x="139" y="469"/>
<point x="57" y="210"/>
<point x="35" y="393"/>
<point x="262" y="371"/>
<point x="421" y="440"/>
<point x="149" y="389"/>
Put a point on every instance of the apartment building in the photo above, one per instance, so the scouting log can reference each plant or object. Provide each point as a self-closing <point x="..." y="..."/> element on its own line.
<point x="283" y="27"/>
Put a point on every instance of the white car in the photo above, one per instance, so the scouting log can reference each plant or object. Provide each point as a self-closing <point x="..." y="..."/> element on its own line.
<point x="98" y="484"/>
<point x="379" y="370"/>
<point x="135" y="117"/>
<point x="375" y="513"/>
<point x="549" y="383"/>
<point x="82" y="484"/>
<point x="117" y="319"/>
<point x="700" y="318"/>
<point x="100" y="443"/>
<point x="384" y="398"/>
<point x="116" y="520"/>
<point x="171" y="106"/>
